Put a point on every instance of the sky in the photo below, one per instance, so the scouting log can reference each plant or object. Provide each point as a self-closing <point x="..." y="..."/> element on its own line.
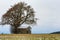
<point x="47" y="12"/>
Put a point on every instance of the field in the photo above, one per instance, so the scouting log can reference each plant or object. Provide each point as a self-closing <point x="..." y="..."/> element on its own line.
<point x="29" y="36"/>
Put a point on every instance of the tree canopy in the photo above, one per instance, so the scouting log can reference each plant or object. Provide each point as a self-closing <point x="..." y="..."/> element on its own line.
<point x="19" y="14"/>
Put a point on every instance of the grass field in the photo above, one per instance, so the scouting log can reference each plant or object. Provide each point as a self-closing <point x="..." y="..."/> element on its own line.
<point x="29" y="36"/>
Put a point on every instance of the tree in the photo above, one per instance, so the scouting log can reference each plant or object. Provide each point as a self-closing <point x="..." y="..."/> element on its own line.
<point x="18" y="15"/>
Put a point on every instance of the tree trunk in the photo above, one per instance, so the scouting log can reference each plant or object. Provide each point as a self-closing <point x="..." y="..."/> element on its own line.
<point x="14" y="30"/>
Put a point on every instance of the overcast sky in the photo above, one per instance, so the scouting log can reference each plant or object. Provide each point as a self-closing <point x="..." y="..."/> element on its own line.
<point x="47" y="12"/>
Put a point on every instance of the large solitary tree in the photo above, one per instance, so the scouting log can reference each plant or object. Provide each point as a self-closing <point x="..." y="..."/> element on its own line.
<point x="18" y="15"/>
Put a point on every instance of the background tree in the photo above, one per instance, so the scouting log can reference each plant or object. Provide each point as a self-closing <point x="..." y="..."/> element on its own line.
<point x="19" y="14"/>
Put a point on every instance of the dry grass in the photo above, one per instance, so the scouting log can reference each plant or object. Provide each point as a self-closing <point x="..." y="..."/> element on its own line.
<point x="30" y="37"/>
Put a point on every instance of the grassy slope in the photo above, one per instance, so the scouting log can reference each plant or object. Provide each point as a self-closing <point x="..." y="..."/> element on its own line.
<point x="30" y="37"/>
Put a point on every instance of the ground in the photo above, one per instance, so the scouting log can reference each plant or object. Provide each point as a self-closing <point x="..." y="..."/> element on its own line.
<point x="29" y="36"/>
